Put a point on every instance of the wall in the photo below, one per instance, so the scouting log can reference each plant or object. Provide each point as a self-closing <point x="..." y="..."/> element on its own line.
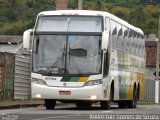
<point x="6" y="75"/>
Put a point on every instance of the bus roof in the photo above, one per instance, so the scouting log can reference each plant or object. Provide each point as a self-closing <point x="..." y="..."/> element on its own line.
<point x="91" y="13"/>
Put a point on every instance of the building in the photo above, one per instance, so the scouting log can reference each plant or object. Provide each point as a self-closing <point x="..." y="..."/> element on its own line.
<point x="151" y="54"/>
<point x="61" y="4"/>
<point x="12" y="44"/>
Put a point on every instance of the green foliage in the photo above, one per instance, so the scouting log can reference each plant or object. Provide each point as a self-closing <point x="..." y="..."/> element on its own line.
<point x="18" y="15"/>
<point x="138" y="17"/>
<point x="73" y="4"/>
<point x="140" y="13"/>
<point x="15" y="28"/>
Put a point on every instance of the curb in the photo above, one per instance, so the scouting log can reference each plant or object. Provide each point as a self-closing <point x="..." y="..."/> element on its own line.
<point x="19" y="106"/>
<point x="25" y="105"/>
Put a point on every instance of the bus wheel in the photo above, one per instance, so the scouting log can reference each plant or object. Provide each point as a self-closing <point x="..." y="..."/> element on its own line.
<point x="106" y="105"/>
<point x="121" y="104"/>
<point x="133" y="103"/>
<point x="50" y="104"/>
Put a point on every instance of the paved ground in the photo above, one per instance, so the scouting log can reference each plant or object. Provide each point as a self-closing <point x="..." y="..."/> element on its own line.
<point x="70" y="112"/>
<point x="9" y="104"/>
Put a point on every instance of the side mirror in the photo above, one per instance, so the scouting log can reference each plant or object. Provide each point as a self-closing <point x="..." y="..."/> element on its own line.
<point x="27" y="39"/>
<point x="105" y="40"/>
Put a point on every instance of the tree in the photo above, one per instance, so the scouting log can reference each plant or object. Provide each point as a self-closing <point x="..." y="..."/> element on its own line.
<point x="138" y="17"/>
<point x="121" y="12"/>
<point x="140" y="13"/>
<point x="152" y="10"/>
<point x="151" y="26"/>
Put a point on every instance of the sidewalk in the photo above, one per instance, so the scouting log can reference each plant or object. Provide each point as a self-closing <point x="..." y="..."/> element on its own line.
<point x="8" y="104"/>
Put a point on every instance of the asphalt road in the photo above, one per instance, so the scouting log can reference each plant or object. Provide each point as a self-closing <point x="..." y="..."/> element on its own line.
<point x="70" y="112"/>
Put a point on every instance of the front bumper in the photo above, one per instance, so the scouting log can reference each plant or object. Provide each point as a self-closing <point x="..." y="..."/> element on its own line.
<point x="77" y="93"/>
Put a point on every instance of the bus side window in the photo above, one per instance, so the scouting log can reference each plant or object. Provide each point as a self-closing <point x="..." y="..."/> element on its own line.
<point x="120" y="33"/>
<point x="143" y="50"/>
<point x="138" y="42"/>
<point x="133" y="43"/>
<point x="107" y="26"/>
<point x="114" y="34"/>
<point x="125" y="41"/>
<point x="142" y="47"/>
<point x="130" y="40"/>
<point x="106" y="64"/>
<point x="119" y="36"/>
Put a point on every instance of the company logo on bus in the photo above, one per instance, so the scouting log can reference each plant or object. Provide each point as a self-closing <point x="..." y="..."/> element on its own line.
<point x="65" y="84"/>
<point x="50" y="78"/>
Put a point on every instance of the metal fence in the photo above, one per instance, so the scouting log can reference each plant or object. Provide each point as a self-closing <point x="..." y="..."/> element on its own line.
<point x="22" y="77"/>
<point x="150" y="85"/>
<point x="149" y="93"/>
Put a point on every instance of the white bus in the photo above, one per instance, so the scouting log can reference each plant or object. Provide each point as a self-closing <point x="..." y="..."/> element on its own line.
<point x="84" y="57"/>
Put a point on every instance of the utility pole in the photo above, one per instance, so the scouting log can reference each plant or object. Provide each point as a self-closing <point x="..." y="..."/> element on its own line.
<point x="157" y="66"/>
<point x="80" y="4"/>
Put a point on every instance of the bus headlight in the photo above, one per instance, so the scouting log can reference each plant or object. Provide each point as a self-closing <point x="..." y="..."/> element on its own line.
<point x="93" y="82"/>
<point x="38" y="81"/>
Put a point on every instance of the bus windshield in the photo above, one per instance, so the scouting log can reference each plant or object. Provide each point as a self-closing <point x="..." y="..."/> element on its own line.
<point x="69" y="24"/>
<point x="67" y="54"/>
<point x="65" y="45"/>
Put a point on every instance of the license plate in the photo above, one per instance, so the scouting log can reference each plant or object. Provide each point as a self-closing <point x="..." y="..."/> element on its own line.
<point x="64" y="92"/>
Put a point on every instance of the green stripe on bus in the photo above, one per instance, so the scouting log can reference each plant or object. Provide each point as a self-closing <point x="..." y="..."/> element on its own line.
<point x="70" y="79"/>
<point x="66" y="79"/>
<point x="121" y="75"/>
<point x="74" y="79"/>
<point x="120" y="60"/>
<point x="122" y="84"/>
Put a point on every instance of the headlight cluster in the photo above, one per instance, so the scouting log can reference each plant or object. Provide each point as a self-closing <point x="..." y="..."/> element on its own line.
<point x="93" y="82"/>
<point x="38" y="81"/>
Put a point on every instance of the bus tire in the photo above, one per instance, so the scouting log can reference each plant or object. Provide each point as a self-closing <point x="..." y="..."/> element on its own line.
<point x="121" y="104"/>
<point x="133" y="103"/>
<point x="50" y="104"/>
<point x="106" y="105"/>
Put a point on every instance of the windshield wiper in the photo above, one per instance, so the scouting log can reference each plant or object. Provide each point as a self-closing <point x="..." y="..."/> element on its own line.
<point x="60" y="58"/>
<point x="76" y="66"/>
